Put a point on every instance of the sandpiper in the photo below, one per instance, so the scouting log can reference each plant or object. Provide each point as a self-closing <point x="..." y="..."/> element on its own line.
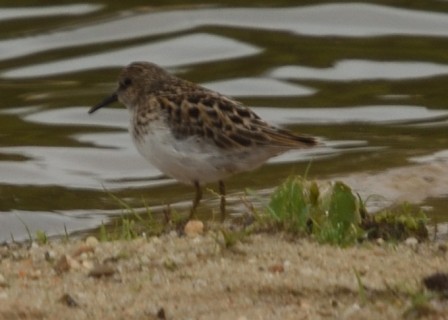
<point x="193" y="134"/>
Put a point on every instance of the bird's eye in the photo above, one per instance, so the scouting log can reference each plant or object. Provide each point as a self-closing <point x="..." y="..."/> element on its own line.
<point x="125" y="83"/>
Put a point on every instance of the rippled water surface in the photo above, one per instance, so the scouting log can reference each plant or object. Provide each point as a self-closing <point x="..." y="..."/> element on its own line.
<point x="370" y="79"/>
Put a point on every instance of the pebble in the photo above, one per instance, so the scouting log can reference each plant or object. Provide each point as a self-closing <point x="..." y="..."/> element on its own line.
<point x="69" y="301"/>
<point x="92" y="241"/>
<point x="74" y="264"/>
<point x="172" y="234"/>
<point x="50" y="255"/>
<point x="62" y="265"/>
<point x="443" y="247"/>
<point x="411" y="241"/>
<point x="83" y="249"/>
<point x="276" y="268"/>
<point x="87" y="264"/>
<point x="194" y="228"/>
<point x="351" y="310"/>
<point x="161" y="314"/>
<point x="35" y="274"/>
<point x="437" y="282"/>
<point x="3" y="282"/>
<point x="65" y="263"/>
<point x="19" y="255"/>
<point x="102" y="270"/>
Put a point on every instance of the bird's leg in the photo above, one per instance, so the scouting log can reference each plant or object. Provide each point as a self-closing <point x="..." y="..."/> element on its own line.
<point x="196" y="199"/>
<point x="222" y="192"/>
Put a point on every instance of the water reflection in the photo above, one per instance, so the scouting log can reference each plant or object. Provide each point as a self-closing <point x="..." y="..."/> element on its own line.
<point x="349" y="20"/>
<point x="369" y="80"/>
<point x="15" y="225"/>
<point x="35" y="12"/>
<point x="183" y="50"/>
<point x="347" y="70"/>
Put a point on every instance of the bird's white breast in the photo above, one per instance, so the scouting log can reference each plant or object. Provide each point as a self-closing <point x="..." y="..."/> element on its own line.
<point x="186" y="160"/>
<point x="194" y="158"/>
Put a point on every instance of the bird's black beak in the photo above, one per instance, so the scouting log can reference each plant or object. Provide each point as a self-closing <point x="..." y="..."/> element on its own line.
<point x="111" y="99"/>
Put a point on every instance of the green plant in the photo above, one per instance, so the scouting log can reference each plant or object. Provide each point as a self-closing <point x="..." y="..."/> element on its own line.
<point x="292" y="203"/>
<point x="128" y="229"/>
<point x="399" y="223"/>
<point x="420" y="306"/>
<point x="66" y="234"/>
<point x="103" y="234"/>
<point x="361" y="288"/>
<point x="30" y="237"/>
<point x="331" y="214"/>
<point x="230" y="237"/>
<point x="131" y="223"/>
<point x="338" y="218"/>
<point x="41" y="237"/>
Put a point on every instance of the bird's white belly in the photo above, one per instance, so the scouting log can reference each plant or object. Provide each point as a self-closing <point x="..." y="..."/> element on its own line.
<point x="193" y="159"/>
<point x="186" y="160"/>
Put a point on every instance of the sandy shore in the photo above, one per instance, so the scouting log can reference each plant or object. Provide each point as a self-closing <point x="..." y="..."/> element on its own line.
<point x="265" y="276"/>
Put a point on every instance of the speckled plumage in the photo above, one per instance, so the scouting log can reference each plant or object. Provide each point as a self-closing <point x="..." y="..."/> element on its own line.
<point x="194" y="134"/>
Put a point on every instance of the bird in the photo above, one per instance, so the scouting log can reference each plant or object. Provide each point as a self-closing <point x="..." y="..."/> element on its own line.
<point x="193" y="134"/>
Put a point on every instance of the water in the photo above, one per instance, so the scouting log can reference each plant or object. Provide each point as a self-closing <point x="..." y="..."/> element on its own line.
<point x="369" y="79"/>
